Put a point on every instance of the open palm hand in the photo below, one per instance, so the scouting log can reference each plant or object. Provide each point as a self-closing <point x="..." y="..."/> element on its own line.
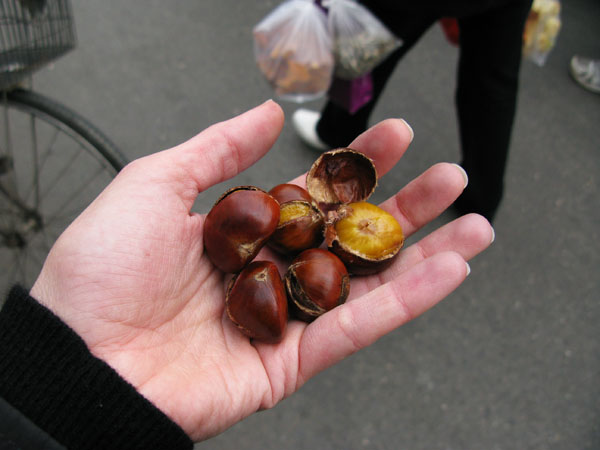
<point x="130" y="277"/>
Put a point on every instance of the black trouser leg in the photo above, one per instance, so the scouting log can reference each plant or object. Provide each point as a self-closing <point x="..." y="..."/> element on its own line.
<point x="486" y="97"/>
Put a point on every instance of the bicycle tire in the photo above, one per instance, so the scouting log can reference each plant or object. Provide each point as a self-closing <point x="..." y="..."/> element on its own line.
<point x="55" y="162"/>
<point x="73" y="120"/>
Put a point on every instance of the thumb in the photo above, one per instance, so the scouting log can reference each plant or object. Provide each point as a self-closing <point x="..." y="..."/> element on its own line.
<point x="223" y="150"/>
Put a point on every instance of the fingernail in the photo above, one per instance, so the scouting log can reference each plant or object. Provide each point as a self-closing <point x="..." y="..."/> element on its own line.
<point x="468" y="269"/>
<point x="412" y="133"/>
<point x="493" y="236"/>
<point x="464" y="174"/>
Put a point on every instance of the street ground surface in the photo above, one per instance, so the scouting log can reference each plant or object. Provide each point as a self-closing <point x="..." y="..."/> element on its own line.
<point x="511" y="360"/>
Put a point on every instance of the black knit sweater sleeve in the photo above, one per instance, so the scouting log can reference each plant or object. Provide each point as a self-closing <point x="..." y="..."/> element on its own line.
<point x="50" y="380"/>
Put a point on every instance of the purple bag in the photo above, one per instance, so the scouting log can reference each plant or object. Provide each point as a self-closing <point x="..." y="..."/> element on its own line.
<point x="351" y="94"/>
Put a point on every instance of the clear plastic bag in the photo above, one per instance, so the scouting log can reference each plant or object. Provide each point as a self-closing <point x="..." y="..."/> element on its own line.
<point x="360" y="40"/>
<point x="541" y="30"/>
<point x="292" y="48"/>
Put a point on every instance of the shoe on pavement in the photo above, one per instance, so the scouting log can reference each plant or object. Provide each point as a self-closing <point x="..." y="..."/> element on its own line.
<point x="305" y="125"/>
<point x="586" y="72"/>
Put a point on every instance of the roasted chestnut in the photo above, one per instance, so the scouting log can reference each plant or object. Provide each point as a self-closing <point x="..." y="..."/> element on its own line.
<point x="362" y="235"/>
<point x="301" y="223"/>
<point x="316" y="282"/>
<point x="256" y="302"/>
<point x="287" y="192"/>
<point x="365" y="237"/>
<point x="301" y="226"/>
<point x="238" y="226"/>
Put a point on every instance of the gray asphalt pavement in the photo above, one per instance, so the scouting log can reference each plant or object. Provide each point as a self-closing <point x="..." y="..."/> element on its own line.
<point x="511" y="360"/>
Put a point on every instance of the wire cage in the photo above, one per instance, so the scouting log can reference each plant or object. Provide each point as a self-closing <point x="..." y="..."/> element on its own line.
<point x="32" y="33"/>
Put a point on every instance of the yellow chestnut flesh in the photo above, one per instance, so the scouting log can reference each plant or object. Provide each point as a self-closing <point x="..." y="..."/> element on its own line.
<point x="370" y="231"/>
<point x="293" y="210"/>
<point x="365" y="237"/>
<point x="300" y="227"/>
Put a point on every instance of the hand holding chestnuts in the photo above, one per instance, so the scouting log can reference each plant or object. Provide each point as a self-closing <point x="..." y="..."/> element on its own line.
<point x="361" y="239"/>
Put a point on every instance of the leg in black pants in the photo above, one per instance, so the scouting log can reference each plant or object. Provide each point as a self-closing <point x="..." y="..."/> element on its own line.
<point x="486" y="97"/>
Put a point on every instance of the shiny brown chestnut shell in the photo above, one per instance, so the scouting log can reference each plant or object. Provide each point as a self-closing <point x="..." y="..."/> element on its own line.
<point x="238" y="226"/>
<point x="341" y="176"/>
<point x="301" y="226"/>
<point x="287" y="192"/>
<point x="256" y="302"/>
<point x="316" y="282"/>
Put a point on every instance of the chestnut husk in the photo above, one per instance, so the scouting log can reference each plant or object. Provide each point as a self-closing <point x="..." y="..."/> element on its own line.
<point x="341" y="176"/>
<point x="316" y="282"/>
<point x="238" y="226"/>
<point x="256" y="302"/>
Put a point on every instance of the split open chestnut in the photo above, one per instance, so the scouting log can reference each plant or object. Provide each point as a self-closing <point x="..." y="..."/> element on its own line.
<point x="365" y="237"/>
<point x="256" y="302"/>
<point x="316" y="282"/>
<point x="301" y="222"/>
<point x="238" y="226"/>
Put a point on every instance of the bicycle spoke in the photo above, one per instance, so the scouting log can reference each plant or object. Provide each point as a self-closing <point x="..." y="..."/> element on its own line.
<point x="7" y="139"/>
<point x="21" y="258"/>
<point x="77" y="193"/>
<point x="37" y="254"/>
<point x="64" y="218"/>
<point x="9" y="183"/>
<point x="60" y="175"/>
<point x="35" y="168"/>
<point x="13" y="271"/>
<point x="51" y="235"/>
<point x="42" y="163"/>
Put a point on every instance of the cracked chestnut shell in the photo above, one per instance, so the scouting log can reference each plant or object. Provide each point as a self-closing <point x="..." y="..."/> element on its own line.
<point x="256" y="302"/>
<point x="238" y="226"/>
<point x="316" y="282"/>
<point x="341" y="176"/>
<point x="301" y="226"/>
<point x="301" y="223"/>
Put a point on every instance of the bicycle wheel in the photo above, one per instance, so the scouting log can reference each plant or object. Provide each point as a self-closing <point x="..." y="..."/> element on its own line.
<point x="53" y="163"/>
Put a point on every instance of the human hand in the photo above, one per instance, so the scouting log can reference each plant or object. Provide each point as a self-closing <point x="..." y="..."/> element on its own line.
<point x="130" y="277"/>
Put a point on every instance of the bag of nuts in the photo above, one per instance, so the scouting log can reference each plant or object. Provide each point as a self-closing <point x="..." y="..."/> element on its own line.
<point x="292" y="48"/>
<point x="541" y="30"/>
<point x="360" y="40"/>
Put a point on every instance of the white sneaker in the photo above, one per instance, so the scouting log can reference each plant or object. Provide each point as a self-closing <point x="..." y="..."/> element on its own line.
<point x="305" y="125"/>
<point x="586" y="72"/>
